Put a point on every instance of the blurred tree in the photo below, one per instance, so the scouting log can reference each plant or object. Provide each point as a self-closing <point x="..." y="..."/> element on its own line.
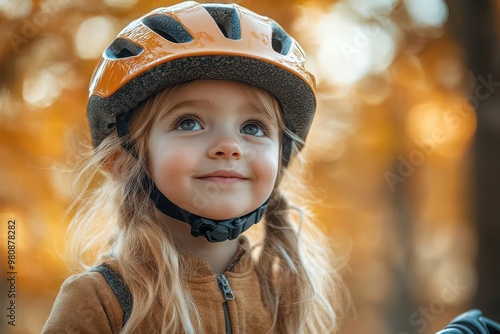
<point x="473" y="23"/>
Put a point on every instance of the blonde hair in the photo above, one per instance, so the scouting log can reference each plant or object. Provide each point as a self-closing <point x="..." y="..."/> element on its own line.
<point x="299" y="285"/>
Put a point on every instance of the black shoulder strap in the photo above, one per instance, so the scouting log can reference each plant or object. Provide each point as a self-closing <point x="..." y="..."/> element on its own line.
<point x="119" y="288"/>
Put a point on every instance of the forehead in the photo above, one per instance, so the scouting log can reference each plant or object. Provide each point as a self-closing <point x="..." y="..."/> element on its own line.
<point x="210" y="94"/>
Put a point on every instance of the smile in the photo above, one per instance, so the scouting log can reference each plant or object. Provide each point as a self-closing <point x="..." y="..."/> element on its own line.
<point x="223" y="177"/>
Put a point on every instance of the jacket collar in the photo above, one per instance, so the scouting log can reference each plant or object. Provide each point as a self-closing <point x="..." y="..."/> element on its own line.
<point x="240" y="263"/>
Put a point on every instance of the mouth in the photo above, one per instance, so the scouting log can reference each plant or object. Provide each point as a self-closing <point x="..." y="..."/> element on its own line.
<point x="223" y="177"/>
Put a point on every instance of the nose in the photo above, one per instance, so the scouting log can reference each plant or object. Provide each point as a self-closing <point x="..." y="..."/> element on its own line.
<point x="225" y="147"/>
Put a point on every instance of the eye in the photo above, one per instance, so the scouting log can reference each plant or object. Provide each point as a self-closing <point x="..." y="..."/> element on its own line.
<point x="254" y="129"/>
<point x="188" y="123"/>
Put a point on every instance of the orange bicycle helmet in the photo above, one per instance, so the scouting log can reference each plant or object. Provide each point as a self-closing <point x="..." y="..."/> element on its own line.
<point x="192" y="41"/>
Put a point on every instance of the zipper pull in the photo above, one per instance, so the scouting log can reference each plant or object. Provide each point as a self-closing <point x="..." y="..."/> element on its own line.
<point x="224" y="286"/>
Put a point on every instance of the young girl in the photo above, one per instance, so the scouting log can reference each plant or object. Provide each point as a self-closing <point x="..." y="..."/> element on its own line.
<point x="195" y="111"/>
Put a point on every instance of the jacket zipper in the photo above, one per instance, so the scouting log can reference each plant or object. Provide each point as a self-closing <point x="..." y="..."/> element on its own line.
<point x="227" y="293"/>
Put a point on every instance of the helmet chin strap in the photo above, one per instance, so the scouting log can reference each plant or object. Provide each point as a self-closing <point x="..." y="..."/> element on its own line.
<point x="212" y="230"/>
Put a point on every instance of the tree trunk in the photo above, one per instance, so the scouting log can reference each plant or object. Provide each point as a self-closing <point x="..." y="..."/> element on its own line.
<point x="473" y="24"/>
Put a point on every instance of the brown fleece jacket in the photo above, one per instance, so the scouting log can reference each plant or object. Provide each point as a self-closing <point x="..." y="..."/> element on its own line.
<point x="86" y="303"/>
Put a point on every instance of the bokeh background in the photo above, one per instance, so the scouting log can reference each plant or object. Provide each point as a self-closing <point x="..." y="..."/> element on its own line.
<point x="403" y="155"/>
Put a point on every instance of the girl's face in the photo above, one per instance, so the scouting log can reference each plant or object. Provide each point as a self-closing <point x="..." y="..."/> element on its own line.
<point x="215" y="153"/>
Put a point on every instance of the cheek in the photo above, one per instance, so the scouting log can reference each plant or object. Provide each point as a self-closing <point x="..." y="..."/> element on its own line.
<point x="267" y="169"/>
<point x="169" y="164"/>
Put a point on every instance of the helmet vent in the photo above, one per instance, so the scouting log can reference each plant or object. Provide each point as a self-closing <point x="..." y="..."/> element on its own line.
<point x="281" y="41"/>
<point x="227" y="20"/>
<point x="123" y="48"/>
<point x="168" y="28"/>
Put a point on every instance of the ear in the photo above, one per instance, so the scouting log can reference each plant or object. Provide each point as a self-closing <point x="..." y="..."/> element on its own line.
<point x="108" y="164"/>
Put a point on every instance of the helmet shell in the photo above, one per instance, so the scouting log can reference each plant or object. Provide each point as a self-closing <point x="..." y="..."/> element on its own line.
<point x="192" y="41"/>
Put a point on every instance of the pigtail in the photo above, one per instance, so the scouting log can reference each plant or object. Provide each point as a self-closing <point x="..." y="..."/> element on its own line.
<point x="299" y="283"/>
<point x="280" y="252"/>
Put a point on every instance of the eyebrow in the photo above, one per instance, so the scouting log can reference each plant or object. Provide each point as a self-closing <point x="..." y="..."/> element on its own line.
<point x="246" y="107"/>
<point x="250" y="106"/>
<point x="257" y="107"/>
<point x="187" y="104"/>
